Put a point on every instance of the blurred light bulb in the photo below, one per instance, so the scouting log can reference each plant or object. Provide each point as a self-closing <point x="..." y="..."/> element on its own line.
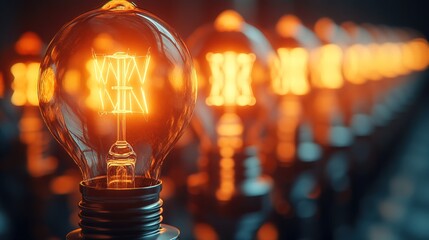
<point x="117" y="88"/>
<point x="232" y="60"/>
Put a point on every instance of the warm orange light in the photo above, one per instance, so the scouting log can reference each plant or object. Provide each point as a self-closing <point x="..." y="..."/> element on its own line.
<point x="229" y="20"/>
<point x="176" y="78"/>
<point x="1" y="85"/>
<point x="288" y="26"/>
<point x="64" y="184"/>
<point x="204" y="231"/>
<point x="327" y="67"/>
<point x="268" y="231"/>
<point x="103" y="42"/>
<point x="120" y="79"/>
<point x="32" y="134"/>
<point x="230" y="79"/>
<point x="356" y="64"/>
<point x="29" y="44"/>
<point x="71" y="82"/>
<point x="290" y="72"/>
<point x="24" y="85"/>
<point x="230" y="130"/>
<point x="389" y="60"/>
<point x="93" y="100"/>
<point x="415" y="54"/>
<point x="227" y="180"/>
<point x="47" y="85"/>
<point x="290" y="111"/>
<point x="372" y="62"/>
<point x="324" y="28"/>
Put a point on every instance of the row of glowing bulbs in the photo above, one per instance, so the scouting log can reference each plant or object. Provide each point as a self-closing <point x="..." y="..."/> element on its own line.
<point x="292" y="69"/>
<point x="116" y="82"/>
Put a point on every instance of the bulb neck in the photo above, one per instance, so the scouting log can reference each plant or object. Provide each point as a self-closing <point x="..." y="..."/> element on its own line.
<point x="129" y="213"/>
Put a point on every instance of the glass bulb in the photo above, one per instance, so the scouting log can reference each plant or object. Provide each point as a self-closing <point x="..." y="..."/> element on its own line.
<point x="232" y="59"/>
<point x="117" y="88"/>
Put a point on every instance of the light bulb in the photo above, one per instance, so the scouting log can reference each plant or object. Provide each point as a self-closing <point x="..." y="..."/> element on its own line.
<point x="142" y="78"/>
<point x="290" y="74"/>
<point x="117" y="88"/>
<point x="232" y="63"/>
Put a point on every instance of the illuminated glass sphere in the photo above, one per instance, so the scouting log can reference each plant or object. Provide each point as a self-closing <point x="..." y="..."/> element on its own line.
<point x="117" y="88"/>
<point x="232" y="61"/>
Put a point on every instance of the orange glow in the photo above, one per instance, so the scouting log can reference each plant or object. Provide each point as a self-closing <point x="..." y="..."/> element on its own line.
<point x="229" y="20"/>
<point x="268" y="231"/>
<point x="227" y="182"/>
<point x="389" y="60"/>
<point x="71" y="82"/>
<point x="24" y="83"/>
<point x="356" y="61"/>
<point x="93" y="100"/>
<point x="415" y="54"/>
<point x="327" y="67"/>
<point x="290" y="72"/>
<point x="1" y="85"/>
<point x="32" y="134"/>
<point x="29" y="44"/>
<point x="114" y="5"/>
<point x="229" y="130"/>
<point x="325" y="107"/>
<point x="176" y="78"/>
<point x="372" y="62"/>
<point x="103" y="42"/>
<point x="121" y="82"/>
<point x="324" y="28"/>
<point x="231" y="79"/>
<point x="290" y="111"/>
<point x="204" y="232"/>
<point x="47" y="86"/>
<point x="64" y="184"/>
<point x="288" y="26"/>
<point x="286" y="152"/>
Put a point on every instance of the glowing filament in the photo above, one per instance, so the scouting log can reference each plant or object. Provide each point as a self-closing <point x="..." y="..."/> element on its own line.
<point x="356" y="64"/>
<point x="120" y="78"/>
<point x="24" y="84"/>
<point x="121" y="83"/>
<point x="290" y="72"/>
<point x="327" y="71"/>
<point x="230" y="131"/>
<point x="231" y="79"/>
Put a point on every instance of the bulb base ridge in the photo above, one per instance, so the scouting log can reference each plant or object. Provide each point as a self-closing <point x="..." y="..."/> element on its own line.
<point x="127" y="213"/>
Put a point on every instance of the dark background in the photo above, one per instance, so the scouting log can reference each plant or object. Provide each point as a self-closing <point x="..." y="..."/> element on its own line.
<point x="47" y="16"/>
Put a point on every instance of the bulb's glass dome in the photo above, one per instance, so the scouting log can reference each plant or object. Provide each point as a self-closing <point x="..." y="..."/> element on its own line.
<point x="232" y="60"/>
<point x="117" y="88"/>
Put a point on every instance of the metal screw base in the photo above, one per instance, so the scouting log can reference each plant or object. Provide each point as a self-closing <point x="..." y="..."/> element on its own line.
<point x="128" y="213"/>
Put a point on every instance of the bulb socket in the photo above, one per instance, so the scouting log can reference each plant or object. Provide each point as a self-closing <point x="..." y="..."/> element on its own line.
<point x="129" y="213"/>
